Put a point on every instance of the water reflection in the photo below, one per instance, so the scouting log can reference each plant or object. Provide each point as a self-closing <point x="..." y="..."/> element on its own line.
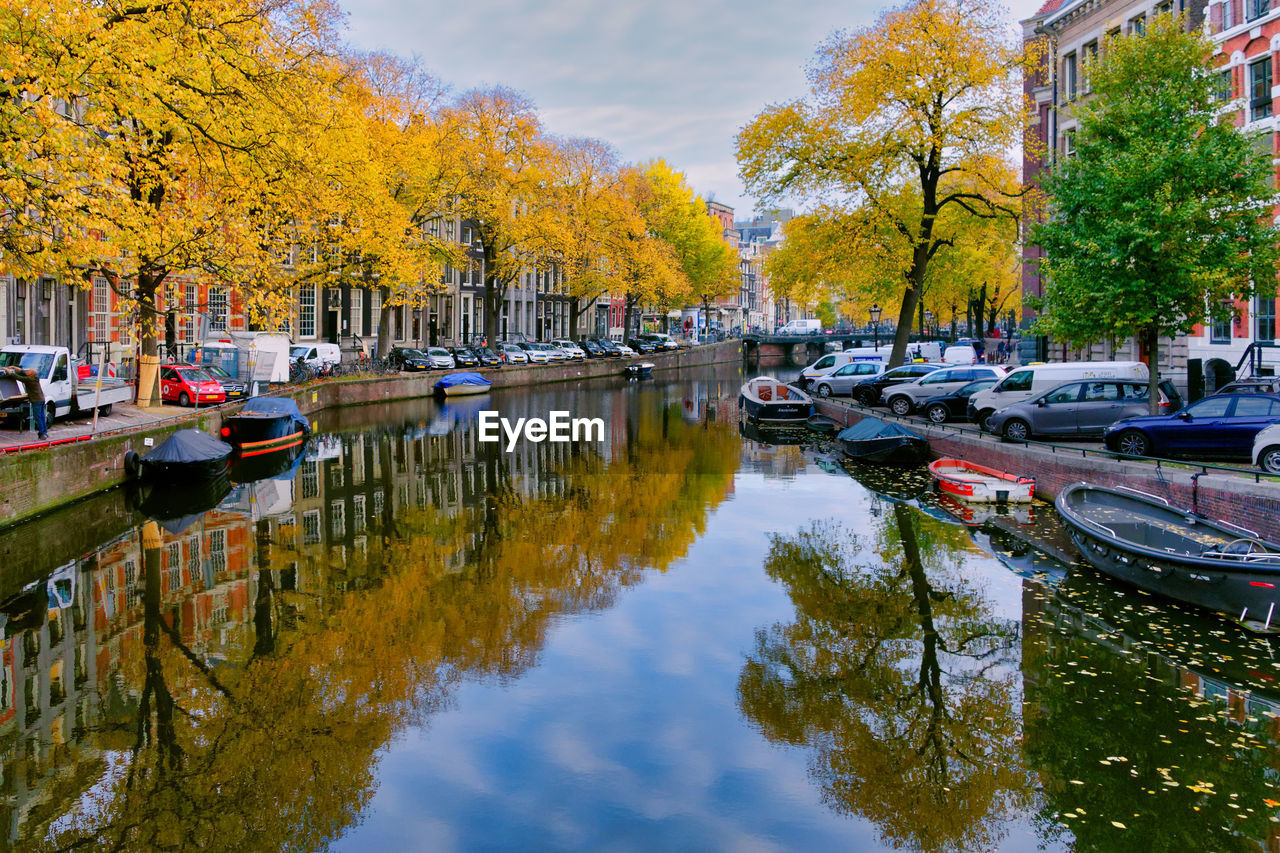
<point x="226" y="683"/>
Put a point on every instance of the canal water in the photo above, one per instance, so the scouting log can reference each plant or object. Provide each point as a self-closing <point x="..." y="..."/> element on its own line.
<point x="680" y="637"/>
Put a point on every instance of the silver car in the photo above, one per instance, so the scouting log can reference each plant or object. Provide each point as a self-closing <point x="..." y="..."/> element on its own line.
<point x="905" y="398"/>
<point x="513" y="354"/>
<point x="440" y="358"/>
<point x="1073" y="409"/>
<point x="840" y="382"/>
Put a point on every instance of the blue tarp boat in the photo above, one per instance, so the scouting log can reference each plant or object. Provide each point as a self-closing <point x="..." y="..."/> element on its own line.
<point x="874" y="440"/>
<point x="462" y="383"/>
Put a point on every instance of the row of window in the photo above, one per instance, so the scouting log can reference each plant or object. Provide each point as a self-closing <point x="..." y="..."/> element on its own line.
<point x="1137" y="26"/>
<point x="1264" y="319"/>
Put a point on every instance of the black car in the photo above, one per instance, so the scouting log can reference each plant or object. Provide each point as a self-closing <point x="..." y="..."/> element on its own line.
<point x="487" y="357"/>
<point x="464" y="357"/>
<point x="944" y="407"/>
<point x="868" y="391"/>
<point x="644" y="346"/>
<point x="610" y="348"/>
<point x="591" y="348"/>
<point x="1251" y="386"/>
<point x="235" y="389"/>
<point x="406" y="358"/>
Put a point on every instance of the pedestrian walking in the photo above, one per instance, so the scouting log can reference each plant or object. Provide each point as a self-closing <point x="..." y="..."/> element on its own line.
<point x="35" y="396"/>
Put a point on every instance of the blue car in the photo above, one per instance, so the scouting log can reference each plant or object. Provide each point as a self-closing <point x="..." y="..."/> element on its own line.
<point x="1221" y="425"/>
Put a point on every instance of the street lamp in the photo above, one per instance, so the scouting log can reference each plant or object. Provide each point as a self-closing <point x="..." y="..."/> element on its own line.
<point x="928" y="323"/>
<point x="875" y="322"/>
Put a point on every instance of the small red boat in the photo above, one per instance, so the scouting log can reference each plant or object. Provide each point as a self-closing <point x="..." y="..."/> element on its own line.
<point x="969" y="481"/>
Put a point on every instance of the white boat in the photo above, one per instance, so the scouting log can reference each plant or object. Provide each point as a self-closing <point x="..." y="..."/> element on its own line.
<point x="461" y="384"/>
<point x="978" y="483"/>
<point x="766" y="399"/>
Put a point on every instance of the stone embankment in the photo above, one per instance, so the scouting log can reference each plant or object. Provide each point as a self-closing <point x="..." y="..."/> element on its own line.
<point x="37" y="481"/>
<point x="1245" y="497"/>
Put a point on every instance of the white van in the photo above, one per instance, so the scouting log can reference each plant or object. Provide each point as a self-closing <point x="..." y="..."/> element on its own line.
<point x="1026" y="382"/>
<point x="930" y="351"/>
<point x="801" y="327"/>
<point x="831" y="362"/>
<point x="960" y="354"/>
<point x="316" y="354"/>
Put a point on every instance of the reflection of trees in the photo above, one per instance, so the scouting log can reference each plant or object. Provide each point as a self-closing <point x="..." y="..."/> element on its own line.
<point x="1117" y="739"/>
<point x="275" y="749"/>
<point x="898" y="678"/>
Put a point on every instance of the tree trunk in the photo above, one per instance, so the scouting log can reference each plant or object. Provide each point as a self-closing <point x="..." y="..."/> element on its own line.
<point x="383" y="345"/>
<point x="628" y="311"/>
<point x="1153" y="369"/>
<point x="910" y="299"/>
<point x="706" y="319"/>
<point x="148" y="349"/>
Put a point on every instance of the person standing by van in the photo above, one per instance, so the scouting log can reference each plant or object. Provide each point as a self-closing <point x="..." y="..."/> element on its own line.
<point x="35" y="396"/>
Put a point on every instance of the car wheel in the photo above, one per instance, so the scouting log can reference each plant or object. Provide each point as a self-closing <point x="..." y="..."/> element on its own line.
<point x="1269" y="460"/>
<point x="1017" y="430"/>
<point x="938" y="413"/>
<point x="824" y="390"/>
<point x="184" y="399"/>
<point x="1131" y="442"/>
<point x="984" y="420"/>
<point x="866" y="397"/>
<point x="900" y="405"/>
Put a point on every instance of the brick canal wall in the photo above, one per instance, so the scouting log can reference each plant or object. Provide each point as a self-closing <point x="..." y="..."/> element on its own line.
<point x="38" y="481"/>
<point x="1236" y="498"/>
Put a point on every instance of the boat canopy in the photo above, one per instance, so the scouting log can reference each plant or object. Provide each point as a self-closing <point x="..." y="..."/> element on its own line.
<point x="462" y="378"/>
<point x="190" y="445"/>
<point x="872" y="428"/>
<point x="276" y="406"/>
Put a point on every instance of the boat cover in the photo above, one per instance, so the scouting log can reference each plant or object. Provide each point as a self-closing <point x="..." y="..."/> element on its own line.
<point x="462" y="378"/>
<point x="189" y="445"/>
<point x="276" y="406"/>
<point x="872" y="428"/>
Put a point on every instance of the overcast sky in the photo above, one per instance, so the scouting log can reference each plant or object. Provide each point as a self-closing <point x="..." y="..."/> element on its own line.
<point x="674" y="79"/>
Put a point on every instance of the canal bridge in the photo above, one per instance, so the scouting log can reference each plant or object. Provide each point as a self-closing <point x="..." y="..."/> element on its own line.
<point x="803" y="350"/>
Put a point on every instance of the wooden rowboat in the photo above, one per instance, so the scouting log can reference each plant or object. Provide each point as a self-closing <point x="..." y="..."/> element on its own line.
<point x="969" y="481"/>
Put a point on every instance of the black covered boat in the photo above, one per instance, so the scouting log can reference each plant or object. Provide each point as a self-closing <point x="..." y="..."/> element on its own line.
<point x="874" y="440"/>
<point x="186" y="456"/>
<point x="1143" y="540"/>
<point x="177" y="504"/>
<point x="266" y="425"/>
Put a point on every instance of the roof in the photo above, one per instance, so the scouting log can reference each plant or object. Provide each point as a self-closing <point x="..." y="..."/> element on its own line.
<point x="1050" y="7"/>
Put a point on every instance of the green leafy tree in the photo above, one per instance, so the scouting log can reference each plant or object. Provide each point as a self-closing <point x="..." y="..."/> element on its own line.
<point x="1161" y="215"/>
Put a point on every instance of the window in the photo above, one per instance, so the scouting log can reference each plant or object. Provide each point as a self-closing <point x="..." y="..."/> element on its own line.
<point x="1069" y="76"/>
<point x="1099" y="392"/>
<point x="1065" y="394"/>
<point x="310" y="479"/>
<point x="1265" y="320"/>
<point x="1210" y="407"/>
<point x="311" y="527"/>
<point x="1260" y="89"/>
<point x="1069" y="143"/>
<point x="101" y="328"/>
<point x="375" y="311"/>
<point x="1220" y="330"/>
<point x="1254" y="9"/>
<point x="1088" y="58"/>
<point x="1019" y="380"/>
<point x="357" y="310"/>
<point x="1224" y="91"/>
<point x="1138" y="25"/>
<point x="1165" y="8"/>
<point x="1250" y="406"/>
<point x="307" y="312"/>
<point x="218" y="309"/>
<point x="1228" y="15"/>
<point x="337" y="519"/>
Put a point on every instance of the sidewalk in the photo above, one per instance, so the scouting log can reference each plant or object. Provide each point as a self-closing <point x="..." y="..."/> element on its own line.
<point x="80" y="428"/>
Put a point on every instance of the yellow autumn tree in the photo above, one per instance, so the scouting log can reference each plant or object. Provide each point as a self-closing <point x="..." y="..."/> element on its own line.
<point x="142" y="141"/>
<point x="906" y="121"/>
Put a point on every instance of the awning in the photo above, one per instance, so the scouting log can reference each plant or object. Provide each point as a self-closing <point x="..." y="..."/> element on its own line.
<point x="674" y="314"/>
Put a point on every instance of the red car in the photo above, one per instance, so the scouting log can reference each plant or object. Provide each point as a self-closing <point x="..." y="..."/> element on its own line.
<point x="187" y="384"/>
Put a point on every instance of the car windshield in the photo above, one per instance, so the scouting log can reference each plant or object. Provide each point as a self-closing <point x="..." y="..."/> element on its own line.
<point x="974" y="387"/>
<point x="40" y="362"/>
<point x="195" y="374"/>
<point x="299" y="352"/>
<point x="217" y="372"/>
<point x="437" y="351"/>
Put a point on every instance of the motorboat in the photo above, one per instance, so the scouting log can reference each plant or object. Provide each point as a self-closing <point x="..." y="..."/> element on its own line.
<point x="766" y="399"/>
<point x="970" y="481"/>
<point x="265" y="425"/>
<point x="643" y="370"/>
<point x="874" y="440"/>
<point x="824" y="425"/>
<point x="462" y="383"/>
<point x="186" y="456"/>
<point x="1145" y="541"/>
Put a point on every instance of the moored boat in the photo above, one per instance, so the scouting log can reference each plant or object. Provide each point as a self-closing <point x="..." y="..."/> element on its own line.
<point x="643" y="370"/>
<point x="1143" y="540"/>
<point x="824" y="425"/>
<point x="265" y="425"/>
<point x="874" y="440"/>
<point x="980" y="484"/>
<point x="187" y="456"/>
<point x="766" y="399"/>
<point x="461" y="384"/>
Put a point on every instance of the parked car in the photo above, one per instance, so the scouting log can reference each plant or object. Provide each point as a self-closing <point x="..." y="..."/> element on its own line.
<point x="535" y="353"/>
<point x="831" y="362"/>
<point x="952" y="404"/>
<point x="235" y="389"/>
<point x="663" y="342"/>
<point x="1220" y="425"/>
<point x="487" y="357"/>
<point x="1023" y="383"/>
<point x="408" y="358"/>
<point x="316" y="356"/>
<point x="842" y="381"/>
<point x="440" y="358"/>
<point x="464" y="357"/>
<point x="591" y="348"/>
<point x="187" y="384"/>
<point x="1251" y="386"/>
<point x="906" y="397"/>
<point x="1266" y="449"/>
<point x="1079" y="409"/>
<point x="569" y="348"/>
<point x="554" y="352"/>
<point x="960" y="354"/>
<point x="512" y="353"/>
<point x="644" y="346"/>
<point x="609" y="347"/>
<point x="868" y="391"/>
<point x="624" y="350"/>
